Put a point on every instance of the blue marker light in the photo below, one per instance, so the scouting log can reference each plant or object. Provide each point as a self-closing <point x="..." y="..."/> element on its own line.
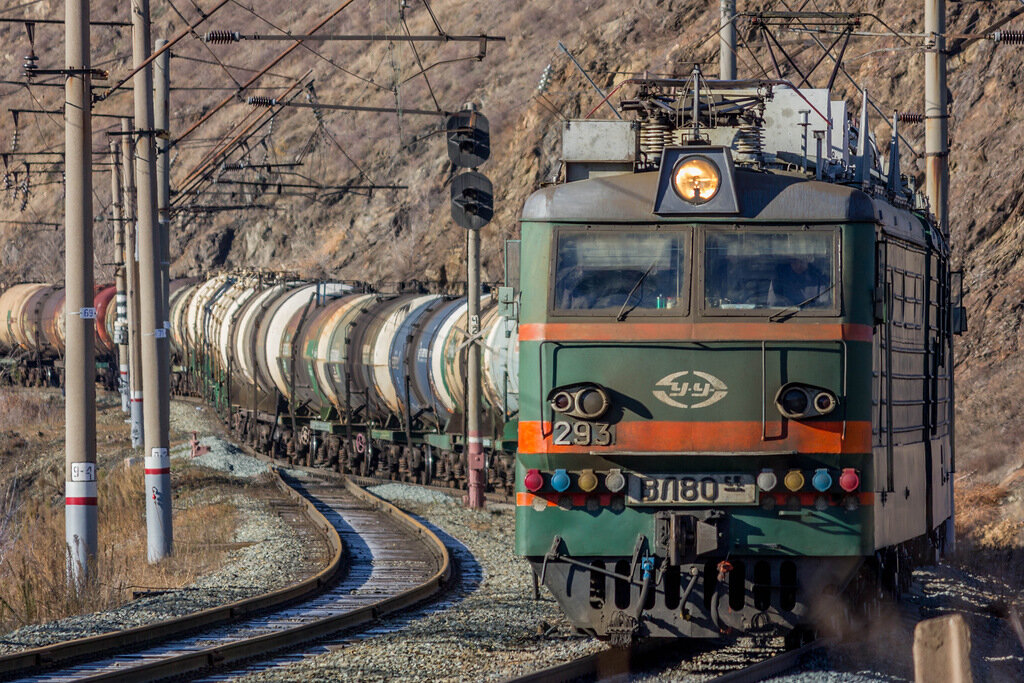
<point x="822" y="480"/>
<point x="560" y="480"/>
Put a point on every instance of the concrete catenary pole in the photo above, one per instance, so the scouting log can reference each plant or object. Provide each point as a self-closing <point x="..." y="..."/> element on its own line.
<point x="162" y="121"/>
<point x="131" y="253"/>
<point x="156" y="410"/>
<point x="727" y="40"/>
<point x="936" y="147"/>
<point x="120" y="276"/>
<point x="936" y="118"/>
<point x="474" y="444"/>
<point x="79" y="362"/>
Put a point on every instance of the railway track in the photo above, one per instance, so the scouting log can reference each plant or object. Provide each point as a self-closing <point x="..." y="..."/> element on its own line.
<point x="391" y="562"/>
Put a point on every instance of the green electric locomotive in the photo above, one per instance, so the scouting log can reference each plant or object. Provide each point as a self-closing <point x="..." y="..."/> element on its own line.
<point x="735" y="365"/>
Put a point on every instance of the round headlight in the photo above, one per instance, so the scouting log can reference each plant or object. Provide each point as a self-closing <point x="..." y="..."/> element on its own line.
<point x="794" y="401"/>
<point x="562" y="402"/>
<point x="696" y="179"/>
<point x="825" y="402"/>
<point x="592" y="402"/>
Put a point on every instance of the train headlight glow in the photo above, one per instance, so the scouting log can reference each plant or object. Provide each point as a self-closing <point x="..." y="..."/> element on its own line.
<point x="696" y="179"/>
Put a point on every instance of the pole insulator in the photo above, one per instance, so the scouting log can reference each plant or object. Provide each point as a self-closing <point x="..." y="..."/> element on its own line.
<point x="909" y="117"/>
<point x="220" y="37"/>
<point x="261" y="101"/>
<point x="1008" y="37"/>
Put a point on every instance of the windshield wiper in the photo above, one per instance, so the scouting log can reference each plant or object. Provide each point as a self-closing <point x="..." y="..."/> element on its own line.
<point x="795" y="308"/>
<point x="621" y="315"/>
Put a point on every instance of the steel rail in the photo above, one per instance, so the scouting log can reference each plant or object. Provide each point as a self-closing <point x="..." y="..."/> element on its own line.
<point x="31" y="661"/>
<point x="251" y="648"/>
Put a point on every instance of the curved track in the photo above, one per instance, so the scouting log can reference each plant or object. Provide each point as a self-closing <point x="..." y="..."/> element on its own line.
<point x="392" y="562"/>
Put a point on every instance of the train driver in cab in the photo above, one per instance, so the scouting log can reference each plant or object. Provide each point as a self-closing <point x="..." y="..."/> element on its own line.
<point x="798" y="281"/>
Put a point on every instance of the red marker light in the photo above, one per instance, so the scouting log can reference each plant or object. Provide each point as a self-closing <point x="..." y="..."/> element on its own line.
<point x="849" y="480"/>
<point x="534" y="481"/>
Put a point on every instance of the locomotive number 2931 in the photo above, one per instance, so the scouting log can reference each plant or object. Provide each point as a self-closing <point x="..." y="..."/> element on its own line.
<point x="583" y="434"/>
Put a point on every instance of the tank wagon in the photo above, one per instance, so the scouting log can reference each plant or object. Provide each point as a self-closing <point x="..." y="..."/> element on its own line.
<point x="735" y="365"/>
<point x="334" y="375"/>
<point x="32" y="335"/>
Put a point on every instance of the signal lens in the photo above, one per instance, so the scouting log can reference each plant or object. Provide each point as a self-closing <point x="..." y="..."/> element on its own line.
<point x="696" y="180"/>
<point x="534" y="481"/>
<point x="849" y="480"/>
<point x="614" y="481"/>
<point x="587" y="481"/>
<point x="560" y="480"/>
<point x="822" y="480"/>
<point x="794" y="480"/>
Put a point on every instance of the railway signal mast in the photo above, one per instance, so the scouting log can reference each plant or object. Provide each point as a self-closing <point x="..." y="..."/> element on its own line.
<point x="469" y="145"/>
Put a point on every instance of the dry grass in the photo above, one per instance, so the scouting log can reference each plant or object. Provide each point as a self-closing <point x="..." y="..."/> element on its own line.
<point x="990" y="529"/>
<point x="33" y="583"/>
<point x="22" y="409"/>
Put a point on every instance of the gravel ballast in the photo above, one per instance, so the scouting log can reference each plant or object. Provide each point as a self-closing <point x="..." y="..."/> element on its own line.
<point x="274" y="554"/>
<point x="490" y="627"/>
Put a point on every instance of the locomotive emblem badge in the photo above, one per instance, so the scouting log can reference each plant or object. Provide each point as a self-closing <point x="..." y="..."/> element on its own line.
<point x="688" y="389"/>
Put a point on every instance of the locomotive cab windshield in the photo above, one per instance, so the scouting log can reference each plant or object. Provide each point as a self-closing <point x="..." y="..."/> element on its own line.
<point x="776" y="270"/>
<point x="600" y="272"/>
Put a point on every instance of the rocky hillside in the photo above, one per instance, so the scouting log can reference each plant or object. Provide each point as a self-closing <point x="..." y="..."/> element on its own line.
<point x="390" y="234"/>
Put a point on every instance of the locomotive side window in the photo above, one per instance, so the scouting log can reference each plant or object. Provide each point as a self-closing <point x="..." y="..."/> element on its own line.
<point x="787" y="270"/>
<point x="619" y="273"/>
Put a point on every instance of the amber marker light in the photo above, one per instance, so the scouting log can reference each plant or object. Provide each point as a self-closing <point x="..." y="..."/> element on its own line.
<point x="696" y="179"/>
<point x="587" y="481"/>
<point x="794" y="480"/>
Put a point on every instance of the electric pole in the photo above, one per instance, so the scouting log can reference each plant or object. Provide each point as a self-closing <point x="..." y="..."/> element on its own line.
<point x="131" y="255"/>
<point x="156" y="410"/>
<point x="727" y="40"/>
<point x="80" y="319"/>
<point x="162" y="122"/>
<point x="120" y="276"/>
<point x="936" y="147"/>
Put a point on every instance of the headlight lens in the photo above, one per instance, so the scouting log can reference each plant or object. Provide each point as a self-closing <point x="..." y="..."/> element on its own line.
<point x="696" y="179"/>
<point x="794" y="401"/>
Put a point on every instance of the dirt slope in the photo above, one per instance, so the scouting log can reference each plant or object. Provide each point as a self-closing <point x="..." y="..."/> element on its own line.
<point x="403" y="234"/>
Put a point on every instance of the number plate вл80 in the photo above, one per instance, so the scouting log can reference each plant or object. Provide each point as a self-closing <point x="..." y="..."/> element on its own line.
<point x="691" y="489"/>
